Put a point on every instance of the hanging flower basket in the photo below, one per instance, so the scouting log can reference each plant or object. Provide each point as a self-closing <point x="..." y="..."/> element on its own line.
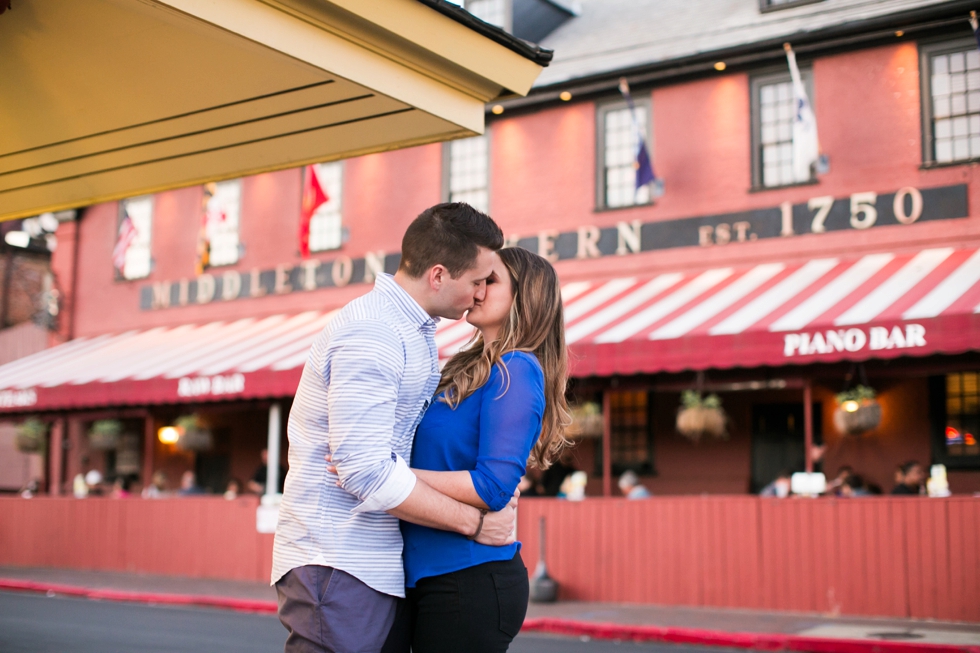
<point x="700" y="416"/>
<point x="586" y="421"/>
<point x="194" y="435"/>
<point x="104" y="434"/>
<point x="857" y="411"/>
<point x="31" y="436"/>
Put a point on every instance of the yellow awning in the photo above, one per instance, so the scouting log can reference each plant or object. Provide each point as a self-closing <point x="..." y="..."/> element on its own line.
<point x="105" y="99"/>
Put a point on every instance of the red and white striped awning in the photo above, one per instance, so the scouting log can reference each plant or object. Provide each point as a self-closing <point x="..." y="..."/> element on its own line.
<point x="244" y="359"/>
<point x="822" y="310"/>
<point x="771" y="314"/>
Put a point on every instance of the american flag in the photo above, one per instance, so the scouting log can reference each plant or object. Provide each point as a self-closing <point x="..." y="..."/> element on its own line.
<point x="127" y="234"/>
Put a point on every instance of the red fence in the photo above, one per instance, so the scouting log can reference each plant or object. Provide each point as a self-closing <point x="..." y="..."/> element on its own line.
<point x="905" y="557"/>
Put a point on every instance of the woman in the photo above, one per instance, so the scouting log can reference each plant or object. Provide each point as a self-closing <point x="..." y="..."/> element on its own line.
<point x="500" y="405"/>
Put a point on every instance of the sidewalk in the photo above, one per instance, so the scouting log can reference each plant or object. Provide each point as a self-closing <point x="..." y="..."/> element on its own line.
<point x="732" y="628"/>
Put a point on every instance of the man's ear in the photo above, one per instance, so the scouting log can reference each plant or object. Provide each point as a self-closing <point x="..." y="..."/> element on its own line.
<point x="437" y="276"/>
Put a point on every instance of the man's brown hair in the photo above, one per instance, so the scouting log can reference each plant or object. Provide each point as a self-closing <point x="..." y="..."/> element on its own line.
<point x="449" y="235"/>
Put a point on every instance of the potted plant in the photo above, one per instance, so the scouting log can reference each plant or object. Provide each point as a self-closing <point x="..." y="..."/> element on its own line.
<point x="194" y="434"/>
<point x="699" y="416"/>
<point x="857" y="410"/>
<point x="586" y="421"/>
<point x="31" y="436"/>
<point x="104" y="434"/>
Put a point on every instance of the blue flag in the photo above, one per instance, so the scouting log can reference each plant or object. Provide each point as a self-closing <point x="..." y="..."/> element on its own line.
<point x="642" y="162"/>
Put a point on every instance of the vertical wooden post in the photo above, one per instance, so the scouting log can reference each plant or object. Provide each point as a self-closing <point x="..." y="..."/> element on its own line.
<point x="149" y="446"/>
<point x="808" y="425"/>
<point x="56" y="456"/>
<point x="606" y="444"/>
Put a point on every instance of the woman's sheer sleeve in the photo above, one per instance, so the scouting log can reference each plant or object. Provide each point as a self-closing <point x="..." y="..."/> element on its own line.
<point x="510" y="424"/>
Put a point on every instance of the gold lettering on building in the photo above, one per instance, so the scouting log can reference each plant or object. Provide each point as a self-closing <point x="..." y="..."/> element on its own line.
<point x="183" y="292"/>
<point x="546" y="245"/>
<point x="205" y="288"/>
<point x="309" y="274"/>
<point x="588" y="242"/>
<point x="255" y="288"/>
<point x="341" y="271"/>
<point x="282" y="286"/>
<point x="374" y="264"/>
<point x="628" y="237"/>
<point x="231" y="285"/>
<point x="161" y="295"/>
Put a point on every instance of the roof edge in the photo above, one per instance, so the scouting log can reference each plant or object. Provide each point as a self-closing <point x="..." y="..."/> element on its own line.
<point x="531" y="51"/>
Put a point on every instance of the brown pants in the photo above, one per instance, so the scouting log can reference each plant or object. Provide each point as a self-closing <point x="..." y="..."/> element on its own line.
<point x="327" y="610"/>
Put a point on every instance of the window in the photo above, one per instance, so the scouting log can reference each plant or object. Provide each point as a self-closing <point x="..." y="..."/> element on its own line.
<point x="467" y="172"/>
<point x="773" y="5"/>
<point x="631" y="441"/>
<point x="772" y="128"/>
<point x="495" y="12"/>
<point x="222" y="205"/>
<point x="326" y="225"/>
<point x="617" y="149"/>
<point x="951" y="94"/>
<point x="138" y="261"/>
<point x="955" y="414"/>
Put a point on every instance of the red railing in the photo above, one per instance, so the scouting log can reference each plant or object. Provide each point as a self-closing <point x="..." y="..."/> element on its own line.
<point x="903" y="557"/>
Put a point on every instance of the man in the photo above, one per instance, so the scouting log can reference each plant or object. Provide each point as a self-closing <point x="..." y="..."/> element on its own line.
<point x="337" y="561"/>
<point x="630" y="486"/>
<point x="256" y="484"/>
<point x="913" y="476"/>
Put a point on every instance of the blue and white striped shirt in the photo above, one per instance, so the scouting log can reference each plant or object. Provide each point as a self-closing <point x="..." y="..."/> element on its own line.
<point x="369" y="378"/>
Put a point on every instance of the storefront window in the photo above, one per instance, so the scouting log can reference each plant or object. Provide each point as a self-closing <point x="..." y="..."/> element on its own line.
<point x="631" y="441"/>
<point x="962" y="414"/>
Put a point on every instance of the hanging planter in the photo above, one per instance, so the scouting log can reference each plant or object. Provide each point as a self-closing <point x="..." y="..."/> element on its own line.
<point x="194" y="435"/>
<point x="31" y="436"/>
<point x="104" y="434"/>
<point x="700" y="416"/>
<point x="857" y="411"/>
<point x="586" y="421"/>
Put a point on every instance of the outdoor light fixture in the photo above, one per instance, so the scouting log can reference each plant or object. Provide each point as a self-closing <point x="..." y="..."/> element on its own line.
<point x="900" y="33"/>
<point x="850" y="406"/>
<point x="720" y="66"/>
<point x="565" y="96"/>
<point x="497" y="109"/>
<point x="17" y="238"/>
<point x="169" y="434"/>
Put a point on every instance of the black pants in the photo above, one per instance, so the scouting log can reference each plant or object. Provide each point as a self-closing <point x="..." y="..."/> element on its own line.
<point x="476" y="610"/>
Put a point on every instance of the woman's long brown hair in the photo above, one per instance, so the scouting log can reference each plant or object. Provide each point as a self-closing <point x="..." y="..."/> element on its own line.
<point x="536" y="324"/>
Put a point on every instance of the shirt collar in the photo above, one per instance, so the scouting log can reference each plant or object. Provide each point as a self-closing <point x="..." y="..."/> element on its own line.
<point x="389" y="288"/>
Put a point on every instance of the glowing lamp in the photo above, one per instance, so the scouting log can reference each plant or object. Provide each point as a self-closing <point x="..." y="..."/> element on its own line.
<point x="720" y="66"/>
<point x="497" y="109"/>
<point x="565" y="96"/>
<point x="850" y="406"/>
<point x="169" y="434"/>
<point x="899" y="33"/>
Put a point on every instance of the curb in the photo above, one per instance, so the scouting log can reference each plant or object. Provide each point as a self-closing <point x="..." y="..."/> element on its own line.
<point x="568" y="627"/>
<point x="754" y="641"/>
<point x="240" y="605"/>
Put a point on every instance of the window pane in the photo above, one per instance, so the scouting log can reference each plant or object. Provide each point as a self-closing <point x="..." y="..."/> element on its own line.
<point x="955" y="90"/>
<point x="630" y="441"/>
<point x="222" y="210"/>
<point x="468" y="172"/>
<point x="326" y="225"/>
<point x="138" y="259"/>
<point x="776" y="132"/>
<point x="619" y="157"/>
<point x="490" y="11"/>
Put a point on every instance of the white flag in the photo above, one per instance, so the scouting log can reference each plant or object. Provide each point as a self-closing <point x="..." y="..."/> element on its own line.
<point x="806" y="147"/>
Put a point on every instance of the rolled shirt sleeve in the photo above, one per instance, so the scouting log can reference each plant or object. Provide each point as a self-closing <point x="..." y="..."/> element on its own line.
<point x="510" y="424"/>
<point x="365" y="366"/>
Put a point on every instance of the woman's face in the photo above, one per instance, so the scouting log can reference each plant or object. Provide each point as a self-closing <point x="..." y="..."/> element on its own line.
<point x="491" y="313"/>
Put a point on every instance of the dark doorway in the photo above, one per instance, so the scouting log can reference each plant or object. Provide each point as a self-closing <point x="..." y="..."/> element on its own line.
<point x="777" y="440"/>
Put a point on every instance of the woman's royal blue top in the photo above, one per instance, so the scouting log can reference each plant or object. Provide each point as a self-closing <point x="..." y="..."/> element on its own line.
<point x="490" y="434"/>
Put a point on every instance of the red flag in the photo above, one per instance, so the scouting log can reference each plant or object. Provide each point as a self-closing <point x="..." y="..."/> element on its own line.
<point x="127" y="234"/>
<point x="313" y="197"/>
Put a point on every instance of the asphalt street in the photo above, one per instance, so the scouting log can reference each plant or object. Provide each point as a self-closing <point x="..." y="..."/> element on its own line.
<point x="32" y="623"/>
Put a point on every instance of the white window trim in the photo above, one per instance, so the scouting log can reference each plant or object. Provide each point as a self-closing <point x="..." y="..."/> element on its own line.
<point x="600" y="153"/>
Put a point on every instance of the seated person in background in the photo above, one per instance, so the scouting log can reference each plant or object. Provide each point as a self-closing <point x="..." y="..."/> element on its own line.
<point x="233" y="489"/>
<point x="256" y="484"/>
<point x="189" y="486"/>
<point x="780" y="487"/>
<point x="834" y="485"/>
<point x="120" y="488"/>
<point x="853" y="486"/>
<point x="913" y="477"/>
<point x="157" y="487"/>
<point x="631" y="488"/>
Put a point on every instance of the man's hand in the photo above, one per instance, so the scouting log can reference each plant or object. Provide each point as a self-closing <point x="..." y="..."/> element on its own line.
<point x="500" y="528"/>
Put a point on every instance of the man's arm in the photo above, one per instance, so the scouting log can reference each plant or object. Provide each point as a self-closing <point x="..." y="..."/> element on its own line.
<point x="427" y="507"/>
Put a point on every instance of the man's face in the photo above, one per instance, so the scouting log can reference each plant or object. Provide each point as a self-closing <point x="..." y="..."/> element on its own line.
<point x="456" y="296"/>
<point x="915" y="476"/>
